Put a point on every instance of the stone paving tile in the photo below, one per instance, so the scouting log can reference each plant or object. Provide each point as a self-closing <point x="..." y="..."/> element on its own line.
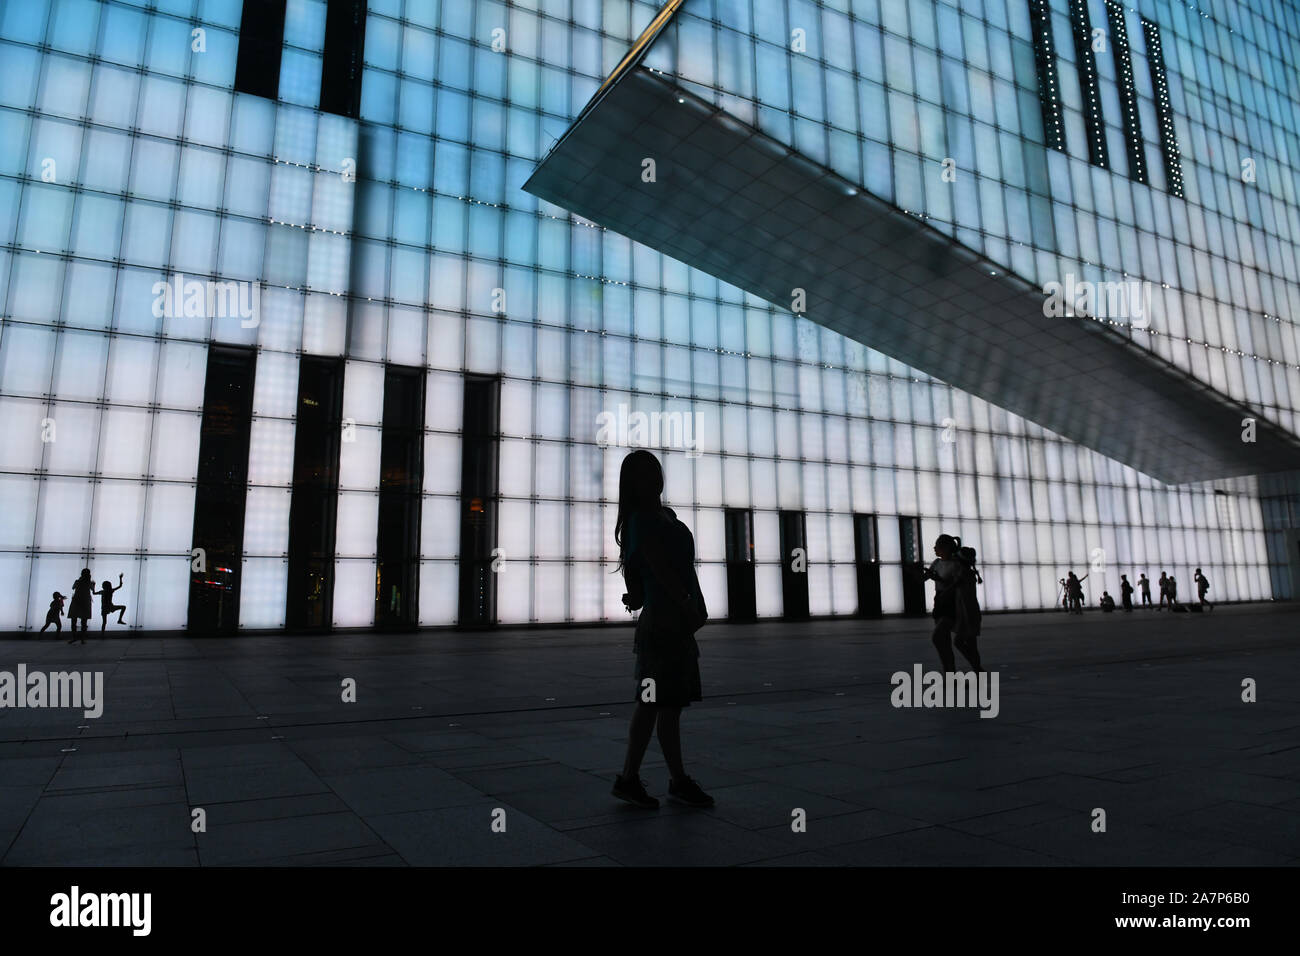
<point x="1141" y="717"/>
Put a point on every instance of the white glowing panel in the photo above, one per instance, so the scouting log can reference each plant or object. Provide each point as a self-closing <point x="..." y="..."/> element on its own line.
<point x="174" y="450"/>
<point x="163" y="594"/>
<point x="169" y="518"/>
<point x="25" y="423"/>
<point x="63" y="521"/>
<point x="280" y="318"/>
<point x="438" y="593"/>
<point x="357" y="525"/>
<point x="891" y="589"/>
<point x="124" y="442"/>
<point x="819" y="589"/>
<point x="18" y="514"/>
<point x="844" y="588"/>
<point x="270" y="451"/>
<point x="262" y="592"/>
<point x="118" y="516"/>
<point x="182" y="367"/>
<point x="710" y="534"/>
<point x="713" y="585"/>
<point x="354" y="593"/>
<point x="550" y="591"/>
<point x="767" y="536"/>
<point x="266" y="521"/>
<point x="26" y="354"/>
<point x="767" y="590"/>
<point x="586" y="591"/>
<point x="363" y="393"/>
<point x="442" y="464"/>
<point x="359" y="455"/>
<point x="324" y="327"/>
<point x="440" y="527"/>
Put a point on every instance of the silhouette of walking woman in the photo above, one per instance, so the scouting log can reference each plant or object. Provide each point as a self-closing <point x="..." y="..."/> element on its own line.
<point x="80" y="608"/>
<point x="956" y="606"/>
<point x="657" y="558"/>
<point x="106" y="605"/>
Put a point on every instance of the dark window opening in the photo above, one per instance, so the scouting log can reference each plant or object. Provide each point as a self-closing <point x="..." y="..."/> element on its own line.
<point x="742" y="604"/>
<point x="401" y="481"/>
<point x="221" y="491"/>
<point x="1089" y="86"/>
<point x="478" y="500"/>
<point x="1049" y="91"/>
<point x="867" y="554"/>
<point x="1128" y="99"/>
<point x="913" y="558"/>
<point x="313" y="510"/>
<point x="1164" y="110"/>
<point x="261" y="44"/>
<point x="794" y="564"/>
<point x="342" y="65"/>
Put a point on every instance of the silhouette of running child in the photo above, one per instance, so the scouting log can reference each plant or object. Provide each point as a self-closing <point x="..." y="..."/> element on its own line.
<point x="55" y="613"/>
<point x="106" y="605"/>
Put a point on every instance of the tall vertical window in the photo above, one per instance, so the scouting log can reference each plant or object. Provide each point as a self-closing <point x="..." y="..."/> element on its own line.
<point x="479" y="499"/>
<point x="1128" y="101"/>
<point x="345" y="42"/>
<point x="1049" y="90"/>
<point x="741" y="596"/>
<point x="313" y="511"/>
<point x="401" y="478"/>
<point x="794" y="564"/>
<point x="1164" y="109"/>
<point x="1088" y="82"/>
<point x="261" y="45"/>
<point x="221" y="490"/>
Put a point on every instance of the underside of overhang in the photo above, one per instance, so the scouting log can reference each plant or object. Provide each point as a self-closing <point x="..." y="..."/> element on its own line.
<point x="731" y="201"/>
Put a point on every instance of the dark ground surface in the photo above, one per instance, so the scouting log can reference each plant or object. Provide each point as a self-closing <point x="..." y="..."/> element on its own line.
<point x="1140" y="715"/>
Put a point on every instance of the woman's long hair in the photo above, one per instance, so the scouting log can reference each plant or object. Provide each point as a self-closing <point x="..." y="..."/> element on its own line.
<point x="640" y="483"/>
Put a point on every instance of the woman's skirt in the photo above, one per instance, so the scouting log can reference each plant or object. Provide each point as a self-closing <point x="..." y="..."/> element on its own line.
<point x="673" y="665"/>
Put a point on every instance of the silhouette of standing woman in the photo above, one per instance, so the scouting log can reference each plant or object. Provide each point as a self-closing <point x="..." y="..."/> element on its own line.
<point x="657" y="558"/>
<point x="80" y="608"/>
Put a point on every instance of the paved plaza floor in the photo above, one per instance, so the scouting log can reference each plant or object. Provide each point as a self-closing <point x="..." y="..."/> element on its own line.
<point x="1139" y="715"/>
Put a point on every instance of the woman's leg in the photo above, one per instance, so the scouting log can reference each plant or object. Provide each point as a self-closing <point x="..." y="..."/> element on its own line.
<point x="120" y="609"/>
<point x="670" y="740"/>
<point x="942" y="638"/>
<point x="638" y="738"/>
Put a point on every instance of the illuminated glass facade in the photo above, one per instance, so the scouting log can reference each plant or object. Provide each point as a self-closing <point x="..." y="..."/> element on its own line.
<point x="401" y="240"/>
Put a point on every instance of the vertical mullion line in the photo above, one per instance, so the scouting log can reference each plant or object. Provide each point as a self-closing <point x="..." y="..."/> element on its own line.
<point x="824" y="66"/>
<point x="109" y="356"/>
<point x="161" y="339"/>
<point x="747" y="359"/>
<point x="26" y="183"/>
<point x="1093" y="117"/>
<point x="1164" y="109"/>
<point x="426" y="367"/>
<point x="571" y="387"/>
<point x="847" y="374"/>
<point x="1131" y="117"/>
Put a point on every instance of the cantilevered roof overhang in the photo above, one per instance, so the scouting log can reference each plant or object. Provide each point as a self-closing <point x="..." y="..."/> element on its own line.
<point x="733" y="202"/>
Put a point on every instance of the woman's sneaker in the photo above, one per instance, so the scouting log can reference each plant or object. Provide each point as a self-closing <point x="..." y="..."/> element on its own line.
<point x="633" y="791"/>
<point x="688" y="791"/>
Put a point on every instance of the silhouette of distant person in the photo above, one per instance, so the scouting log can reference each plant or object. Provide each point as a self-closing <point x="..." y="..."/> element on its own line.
<point x="1107" y="602"/>
<point x="1203" y="585"/>
<point x="55" y="613"/>
<point x="106" y="605"/>
<point x="955" y="606"/>
<point x="80" y="608"/>
<point x="1074" y="592"/>
<point x="1164" y="592"/>
<point x="1065" y="595"/>
<point x="1173" y="592"/>
<point x="1125" y="592"/>
<point x="657" y="558"/>
<point x="1145" y="585"/>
